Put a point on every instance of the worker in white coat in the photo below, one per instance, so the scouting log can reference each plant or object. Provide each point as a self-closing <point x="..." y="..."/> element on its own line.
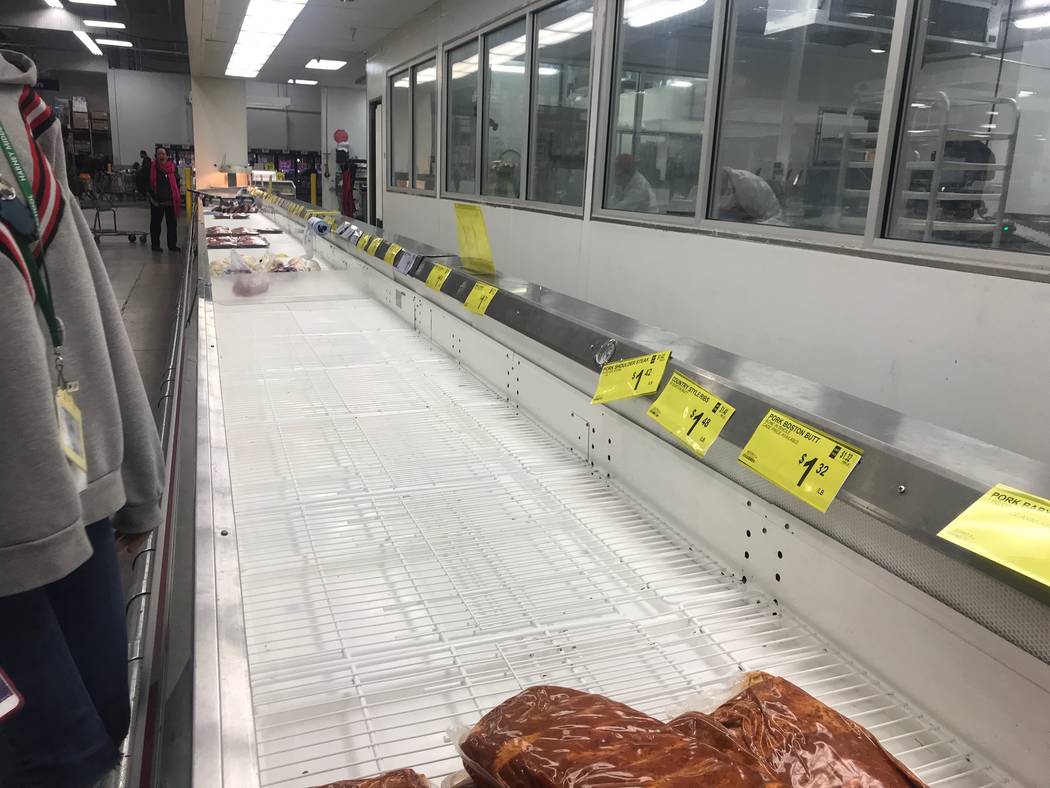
<point x="632" y="190"/>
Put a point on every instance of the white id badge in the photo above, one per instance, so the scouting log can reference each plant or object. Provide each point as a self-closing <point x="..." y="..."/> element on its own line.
<point x="71" y="434"/>
<point x="10" y="700"/>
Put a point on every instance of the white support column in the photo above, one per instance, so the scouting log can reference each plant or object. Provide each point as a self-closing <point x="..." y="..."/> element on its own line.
<point x="220" y="128"/>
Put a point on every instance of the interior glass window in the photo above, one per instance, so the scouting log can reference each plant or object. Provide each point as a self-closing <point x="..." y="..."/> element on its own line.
<point x="400" y="131"/>
<point x="424" y="122"/>
<point x="503" y="128"/>
<point x="462" y="79"/>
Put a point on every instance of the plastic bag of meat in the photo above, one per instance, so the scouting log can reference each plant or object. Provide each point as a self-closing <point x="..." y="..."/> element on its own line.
<point x="402" y="778"/>
<point x="802" y="741"/>
<point x="553" y="737"/>
<point x="252" y="284"/>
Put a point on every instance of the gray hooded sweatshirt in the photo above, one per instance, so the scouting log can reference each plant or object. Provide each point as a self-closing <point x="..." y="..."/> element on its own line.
<point x="42" y="515"/>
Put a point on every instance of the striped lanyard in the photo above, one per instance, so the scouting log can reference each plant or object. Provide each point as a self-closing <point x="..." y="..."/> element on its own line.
<point x="32" y="252"/>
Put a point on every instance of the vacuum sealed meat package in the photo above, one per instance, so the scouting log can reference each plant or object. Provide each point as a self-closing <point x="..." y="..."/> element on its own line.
<point x="402" y="778"/>
<point x="554" y="737"/>
<point x="804" y="742"/>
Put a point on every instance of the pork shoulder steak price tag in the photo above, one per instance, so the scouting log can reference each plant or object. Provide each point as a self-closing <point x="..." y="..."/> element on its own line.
<point x="391" y="253"/>
<point x="364" y="240"/>
<point x="800" y="459"/>
<point x="374" y="245"/>
<point x="1008" y="526"/>
<point x="691" y="413"/>
<point x="437" y="276"/>
<point x="480" y="297"/>
<point x="631" y="377"/>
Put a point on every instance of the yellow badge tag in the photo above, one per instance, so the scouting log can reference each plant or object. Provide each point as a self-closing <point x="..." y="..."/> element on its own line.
<point x="799" y="458"/>
<point x="374" y="245"/>
<point x="691" y="413"/>
<point x="480" y="297"/>
<point x="1008" y="526"/>
<point x="438" y="275"/>
<point x="631" y="377"/>
<point x="391" y="253"/>
<point x="71" y="435"/>
<point x="364" y="240"/>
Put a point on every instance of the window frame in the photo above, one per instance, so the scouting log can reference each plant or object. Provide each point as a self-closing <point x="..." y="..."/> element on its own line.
<point x="408" y="69"/>
<point x="478" y="34"/>
<point x="446" y="103"/>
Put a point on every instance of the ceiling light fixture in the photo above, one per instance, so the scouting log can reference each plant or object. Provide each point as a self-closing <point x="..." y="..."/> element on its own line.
<point x="640" y="13"/>
<point x="85" y="39"/>
<point x="264" y="26"/>
<point x="112" y="42"/>
<point x="326" y="65"/>
<point x="94" y="2"/>
<point x="1025" y="93"/>
<point x="53" y="3"/>
<point x="302" y="81"/>
<point x="878" y="51"/>
<point x="1034" y="22"/>
<point x="104" y="23"/>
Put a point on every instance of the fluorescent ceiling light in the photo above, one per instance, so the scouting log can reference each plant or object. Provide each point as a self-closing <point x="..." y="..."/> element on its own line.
<point x="94" y="2"/>
<point x="426" y="75"/>
<point x="112" y="42"/>
<point x="465" y="68"/>
<point x="85" y="39"/>
<point x="53" y="3"/>
<point x="565" y="30"/>
<point x="264" y="26"/>
<point x="548" y="71"/>
<point x="1025" y="93"/>
<point x="326" y="65"/>
<point x="507" y="68"/>
<point x="878" y="51"/>
<point x="860" y="15"/>
<point x="104" y="23"/>
<point x="679" y="83"/>
<point x="302" y="81"/>
<point x="987" y="126"/>
<point x="401" y="83"/>
<point x="1034" y="22"/>
<point x="640" y="13"/>
<point x="919" y="105"/>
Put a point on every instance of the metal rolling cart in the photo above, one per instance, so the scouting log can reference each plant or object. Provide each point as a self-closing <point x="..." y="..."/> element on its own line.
<point x="401" y="513"/>
<point x="94" y="198"/>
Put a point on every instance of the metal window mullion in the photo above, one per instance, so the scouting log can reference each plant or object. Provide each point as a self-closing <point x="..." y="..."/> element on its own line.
<point x="725" y="50"/>
<point x="890" y="115"/>
<point x="606" y="98"/>
<point x="526" y="143"/>
<point x="412" y="127"/>
<point x="705" y="184"/>
<point x="479" y="125"/>
<point x="599" y="8"/>
<point x="483" y="114"/>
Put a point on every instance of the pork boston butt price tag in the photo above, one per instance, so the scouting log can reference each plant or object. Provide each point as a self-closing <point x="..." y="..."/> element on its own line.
<point x="437" y="276"/>
<point x="800" y="459"/>
<point x="480" y="297"/>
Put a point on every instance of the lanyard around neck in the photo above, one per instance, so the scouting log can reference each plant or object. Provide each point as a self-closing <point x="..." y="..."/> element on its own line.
<point x="33" y="254"/>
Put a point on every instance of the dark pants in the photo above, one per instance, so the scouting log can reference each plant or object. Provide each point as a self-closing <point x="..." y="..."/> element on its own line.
<point x="167" y="213"/>
<point x="65" y="648"/>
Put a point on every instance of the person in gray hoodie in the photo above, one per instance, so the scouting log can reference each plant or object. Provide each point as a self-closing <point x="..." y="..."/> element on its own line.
<point x="63" y="645"/>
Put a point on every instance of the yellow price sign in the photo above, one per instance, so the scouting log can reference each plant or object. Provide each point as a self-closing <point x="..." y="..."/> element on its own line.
<point x="691" y="413"/>
<point x="1007" y="526"/>
<point x="391" y="253"/>
<point x="800" y="459"/>
<point x="363" y="241"/>
<point x="438" y="275"/>
<point x="474" y="248"/>
<point x="374" y="245"/>
<point x="480" y="297"/>
<point x="631" y="377"/>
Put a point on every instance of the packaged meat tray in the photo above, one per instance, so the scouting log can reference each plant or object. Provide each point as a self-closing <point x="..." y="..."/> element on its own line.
<point x="402" y="778"/>
<point x="803" y="742"/>
<point x="222" y="231"/>
<point x="554" y="737"/>
<point x="237" y="242"/>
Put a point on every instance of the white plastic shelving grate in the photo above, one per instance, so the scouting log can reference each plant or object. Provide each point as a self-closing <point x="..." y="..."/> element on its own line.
<point x="413" y="550"/>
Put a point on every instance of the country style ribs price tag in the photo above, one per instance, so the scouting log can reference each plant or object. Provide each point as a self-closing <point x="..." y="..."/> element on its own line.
<point x="691" y="413"/>
<point x="437" y="276"/>
<point x="480" y="297"/>
<point x="1008" y="526"/>
<point x="374" y="245"/>
<point x="631" y="377"/>
<point x="364" y="240"/>
<point x="800" y="459"/>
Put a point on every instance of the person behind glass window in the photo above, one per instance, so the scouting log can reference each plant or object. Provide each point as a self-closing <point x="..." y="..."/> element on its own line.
<point x="632" y="191"/>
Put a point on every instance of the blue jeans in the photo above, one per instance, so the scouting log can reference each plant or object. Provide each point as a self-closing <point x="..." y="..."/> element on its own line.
<point x="65" y="648"/>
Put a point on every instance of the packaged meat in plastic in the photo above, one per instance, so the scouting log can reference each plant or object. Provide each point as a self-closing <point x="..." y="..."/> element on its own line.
<point x="804" y="742"/>
<point x="250" y="284"/>
<point x="402" y="778"/>
<point x="553" y="737"/>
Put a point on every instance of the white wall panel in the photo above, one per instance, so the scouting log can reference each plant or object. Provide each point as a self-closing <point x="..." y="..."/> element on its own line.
<point x="147" y="107"/>
<point x="220" y="127"/>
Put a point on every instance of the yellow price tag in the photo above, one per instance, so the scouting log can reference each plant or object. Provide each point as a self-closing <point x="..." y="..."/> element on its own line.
<point x="473" y="238"/>
<point x="691" y="413"/>
<point x="1008" y="526"/>
<point x="438" y="275"/>
<point x="391" y="253"/>
<point x="364" y="240"/>
<point x="631" y="377"/>
<point x="480" y="297"/>
<point x="799" y="458"/>
<point x="374" y="245"/>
